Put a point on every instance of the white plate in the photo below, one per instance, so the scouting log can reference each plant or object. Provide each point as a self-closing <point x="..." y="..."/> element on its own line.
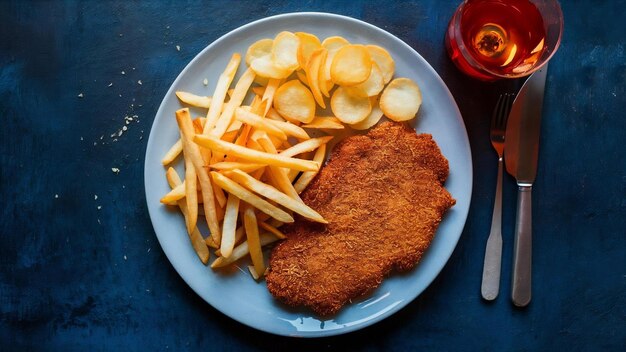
<point x="236" y="294"/>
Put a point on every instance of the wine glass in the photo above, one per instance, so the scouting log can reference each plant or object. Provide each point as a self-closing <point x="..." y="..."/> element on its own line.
<point x="493" y="39"/>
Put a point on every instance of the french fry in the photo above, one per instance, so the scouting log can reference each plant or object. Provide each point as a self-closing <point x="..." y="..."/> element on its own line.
<point x="194" y="100"/>
<point x="220" y="197"/>
<point x="198" y="124"/>
<point x="253" y="272"/>
<point x="252" y="142"/>
<point x="174" y="151"/>
<point x="211" y="243"/>
<point x="258" y="90"/>
<point x="250" y="198"/>
<point x="239" y="235"/>
<point x="175" y="194"/>
<point x="242" y="250"/>
<point x="330" y="123"/>
<point x="194" y="159"/>
<point x="220" y="92"/>
<point x="260" y="123"/>
<point x="258" y="173"/>
<point x="308" y="176"/>
<point x="274" y="115"/>
<point x="268" y="94"/>
<point x="254" y="242"/>
<point x="272" y="229"/>
<point x="231" y="165"/>
<point x="290" y="129"/>
<point x="292" y="174"/>
<point x="229" y="226"/>
<point x="241" y="89"/>
<point x="235" y="126"/>
<point x="220" y="212"/>
<point x="230" y="136"/>
<point x="279" y="175"/>
<point x="197" y="241"/>
<point x="242" y="140"/>
<point x="306" y="146"/>
<point x="254" y="155"/>
<point x="191" y="195"/>
<point x="273" y="194"/>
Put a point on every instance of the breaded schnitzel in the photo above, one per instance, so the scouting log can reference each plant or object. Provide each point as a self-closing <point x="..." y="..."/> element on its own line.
<point x="383" y="196"/>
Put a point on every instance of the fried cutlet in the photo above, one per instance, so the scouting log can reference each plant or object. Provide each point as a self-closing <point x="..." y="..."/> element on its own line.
<point x="383" y="196"/>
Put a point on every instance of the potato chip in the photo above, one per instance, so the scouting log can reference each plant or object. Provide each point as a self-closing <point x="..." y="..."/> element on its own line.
<point x="349" y="108"/>
<point x="265" y="67"/>
<point x="351" y="65"/>
<point x="372" y="118"/>
<point x="401" y="99"/>
<point x="294" y="101"/>
<point x="312" y="74"/>
<point x="383" y="60"/>
<point x="334" y="43"/>
<point x="324" y="85"/>
<point x="302" y="77"/>
<point x="259" y="49"/>
<point x="372" y="86"/>
<point x="308" y="44"/>
<point x="285" y="51"/>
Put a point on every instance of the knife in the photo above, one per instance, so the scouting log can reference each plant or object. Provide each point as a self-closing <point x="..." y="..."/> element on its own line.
<point x="521" y="154"/>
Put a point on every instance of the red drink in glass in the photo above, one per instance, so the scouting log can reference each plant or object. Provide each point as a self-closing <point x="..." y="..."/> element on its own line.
<point x="491" y="39"/>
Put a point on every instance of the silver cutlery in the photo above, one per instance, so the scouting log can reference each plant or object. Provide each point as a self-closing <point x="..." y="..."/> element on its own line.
<point x="493" y="252"/>
<point x="521" y="154"/>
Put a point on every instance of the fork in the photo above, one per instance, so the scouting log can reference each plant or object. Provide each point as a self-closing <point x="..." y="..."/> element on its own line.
<point x="493" y="251"/>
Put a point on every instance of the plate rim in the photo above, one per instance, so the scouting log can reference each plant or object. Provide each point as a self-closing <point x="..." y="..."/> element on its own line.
<point x="465" y="140"/>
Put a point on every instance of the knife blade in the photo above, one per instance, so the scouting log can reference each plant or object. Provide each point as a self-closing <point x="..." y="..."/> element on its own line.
<point x="521" y="155"/>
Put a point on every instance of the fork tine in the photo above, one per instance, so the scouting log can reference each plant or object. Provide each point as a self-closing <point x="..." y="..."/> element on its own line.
<point x="510" y="97"/>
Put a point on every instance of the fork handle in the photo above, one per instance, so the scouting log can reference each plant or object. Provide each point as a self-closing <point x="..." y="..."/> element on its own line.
<point x="493" y="252"/>
<point x="522" y="260"/>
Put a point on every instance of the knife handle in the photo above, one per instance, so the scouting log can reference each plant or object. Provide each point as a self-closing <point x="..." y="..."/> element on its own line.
<point x="522" y="259"/>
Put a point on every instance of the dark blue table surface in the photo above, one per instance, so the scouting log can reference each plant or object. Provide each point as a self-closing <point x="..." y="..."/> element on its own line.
<point x="79" y="273"/>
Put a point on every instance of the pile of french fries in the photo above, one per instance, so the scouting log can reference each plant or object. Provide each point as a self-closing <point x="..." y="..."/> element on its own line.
<point x="247" y="163"/>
